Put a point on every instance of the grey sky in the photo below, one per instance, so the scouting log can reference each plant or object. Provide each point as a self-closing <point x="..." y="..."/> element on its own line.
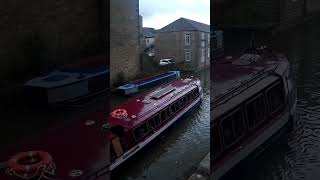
<point x="159" y="13"/>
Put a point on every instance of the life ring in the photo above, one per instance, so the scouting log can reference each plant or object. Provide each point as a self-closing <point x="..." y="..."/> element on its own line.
<point x="119" y="113"/>
<point x="30" y="164"/>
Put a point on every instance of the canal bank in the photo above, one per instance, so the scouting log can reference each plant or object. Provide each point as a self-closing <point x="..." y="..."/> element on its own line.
<point x="203" y="170"/>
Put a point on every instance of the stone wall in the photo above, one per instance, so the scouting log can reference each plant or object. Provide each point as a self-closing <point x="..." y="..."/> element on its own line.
<point x="124" y="40"/>
<point x="37" y="34"/>
<point x="172" y="45"/>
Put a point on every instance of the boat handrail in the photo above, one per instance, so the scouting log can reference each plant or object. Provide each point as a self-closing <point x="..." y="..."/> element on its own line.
<point x="220" y="99"/>
<point x="166" y="101"/>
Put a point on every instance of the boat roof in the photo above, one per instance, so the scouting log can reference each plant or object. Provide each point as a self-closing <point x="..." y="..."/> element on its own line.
<point x="142" y="107"/>
<point x="229" y="73"/>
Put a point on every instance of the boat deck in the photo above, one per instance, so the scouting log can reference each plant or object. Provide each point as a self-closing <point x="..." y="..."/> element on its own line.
<point x="229" y="73"/>
<point x="139" y="108"/>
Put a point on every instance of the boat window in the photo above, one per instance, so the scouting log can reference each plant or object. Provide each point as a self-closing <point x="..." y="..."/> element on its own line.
<point x="173" y="109"/>
<point x="196" y="92"/>
<point x="238" y="122"/>
<point x="141" y="131"/>
<point x="180" y="103"/>
<point x="275" y="98"/>
<point x="185" y="100"/>
<point x="227" y="131"/>
<point x="157" y="120"/>
<point x="256" y="111"/>
<point x="189" y="96"/>
<point x="216" y="145"/>
<point x="176" y="104"/>
<point x="167" y="113"/>
<point x="163" y="116"/>
<point x="151" y="123"/>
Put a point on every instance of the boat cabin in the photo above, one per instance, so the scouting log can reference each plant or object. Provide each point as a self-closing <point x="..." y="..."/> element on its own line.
<point x="142" y="117"/>
<point x="249" y="93"/>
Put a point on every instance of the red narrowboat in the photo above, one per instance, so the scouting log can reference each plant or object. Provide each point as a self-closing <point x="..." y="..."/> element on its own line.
<point x="134" y="124"/>
<point x="253" y="99"/>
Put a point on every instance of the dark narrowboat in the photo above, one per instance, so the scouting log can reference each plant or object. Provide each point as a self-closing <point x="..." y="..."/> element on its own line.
<point x="70" y="82"/>
<point x="253" y="98"/>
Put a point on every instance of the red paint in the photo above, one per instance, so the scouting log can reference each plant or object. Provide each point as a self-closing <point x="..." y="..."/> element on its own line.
<point x="142" y="111"/>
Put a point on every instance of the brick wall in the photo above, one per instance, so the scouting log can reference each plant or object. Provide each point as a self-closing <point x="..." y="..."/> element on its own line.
<point x="37" y="33"/>
<point x="124" y="40"/>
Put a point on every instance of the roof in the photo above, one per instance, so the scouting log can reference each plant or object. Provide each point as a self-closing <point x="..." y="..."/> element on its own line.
<point x="183" y="24"/>
<point x="142" y="107"/>
<point x="230" y="73"/>
<point x="148" y="32"/>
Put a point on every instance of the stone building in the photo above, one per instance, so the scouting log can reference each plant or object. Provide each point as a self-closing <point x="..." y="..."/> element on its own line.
<point x="185" y="41"/>
<point x="37" y="34"/>
<point x="124" y="40"/>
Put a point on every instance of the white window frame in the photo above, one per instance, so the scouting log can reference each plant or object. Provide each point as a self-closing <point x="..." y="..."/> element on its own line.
<point x="208" y="52"/>
<point x="203" y="44"/>
<point x="187" y="51"/>
<point x="187" y="38"/>
<point x="203" y="55"/>
<point x="203" y="36"/>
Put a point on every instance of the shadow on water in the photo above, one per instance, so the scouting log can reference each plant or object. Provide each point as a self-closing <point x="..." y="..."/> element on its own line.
<point x="297" y="155"/>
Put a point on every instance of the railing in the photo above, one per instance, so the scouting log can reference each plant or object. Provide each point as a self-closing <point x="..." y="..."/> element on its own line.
<point x="221" y="99"/>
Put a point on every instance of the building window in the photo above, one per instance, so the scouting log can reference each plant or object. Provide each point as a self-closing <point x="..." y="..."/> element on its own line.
<point x="208" y="38"/>
<point x="203" y="37"/>
<point x="147" y="41"/>
<point x="208" y="52"/>
<point x="188" y="38"/>
<point x="203" y="43"/>
<point x="203" y="54"/>
<point x="187" y="54"/>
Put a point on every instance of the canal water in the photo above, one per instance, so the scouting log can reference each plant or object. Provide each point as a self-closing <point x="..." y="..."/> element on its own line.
<point x="178" y="151"/>
<point x="296" y="155"/>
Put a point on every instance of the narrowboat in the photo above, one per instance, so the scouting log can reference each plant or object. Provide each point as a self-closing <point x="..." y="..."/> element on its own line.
<point x="135" y="124"/>
<point x="77" y="151"/>
<point x="70" y="82"/>
<point x="147" y="83"/>
<point x="253" y="100"/>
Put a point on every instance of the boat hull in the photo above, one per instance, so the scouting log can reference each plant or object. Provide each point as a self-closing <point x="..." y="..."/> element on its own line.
<point x="259" y="143"/>
<point x="67" y="92"/>
<point x="127" y="155"/>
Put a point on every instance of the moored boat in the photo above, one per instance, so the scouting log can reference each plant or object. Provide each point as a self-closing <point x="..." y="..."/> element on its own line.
<point x="135" y="124"/>
<point x="70" y="82"/>
<point x="147" y="83"/>
<point x="253" y="100"/>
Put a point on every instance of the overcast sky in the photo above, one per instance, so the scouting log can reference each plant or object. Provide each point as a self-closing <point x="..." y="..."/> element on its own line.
<point x="159" y="13"/>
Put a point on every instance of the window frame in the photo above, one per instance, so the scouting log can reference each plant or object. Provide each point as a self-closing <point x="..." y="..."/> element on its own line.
<point x="187" y="38"/>
<point x="255" y="97"/>
<point x="267" y="100"/>
<point x="230" y="113"/>
<point x="187" y="53"/>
